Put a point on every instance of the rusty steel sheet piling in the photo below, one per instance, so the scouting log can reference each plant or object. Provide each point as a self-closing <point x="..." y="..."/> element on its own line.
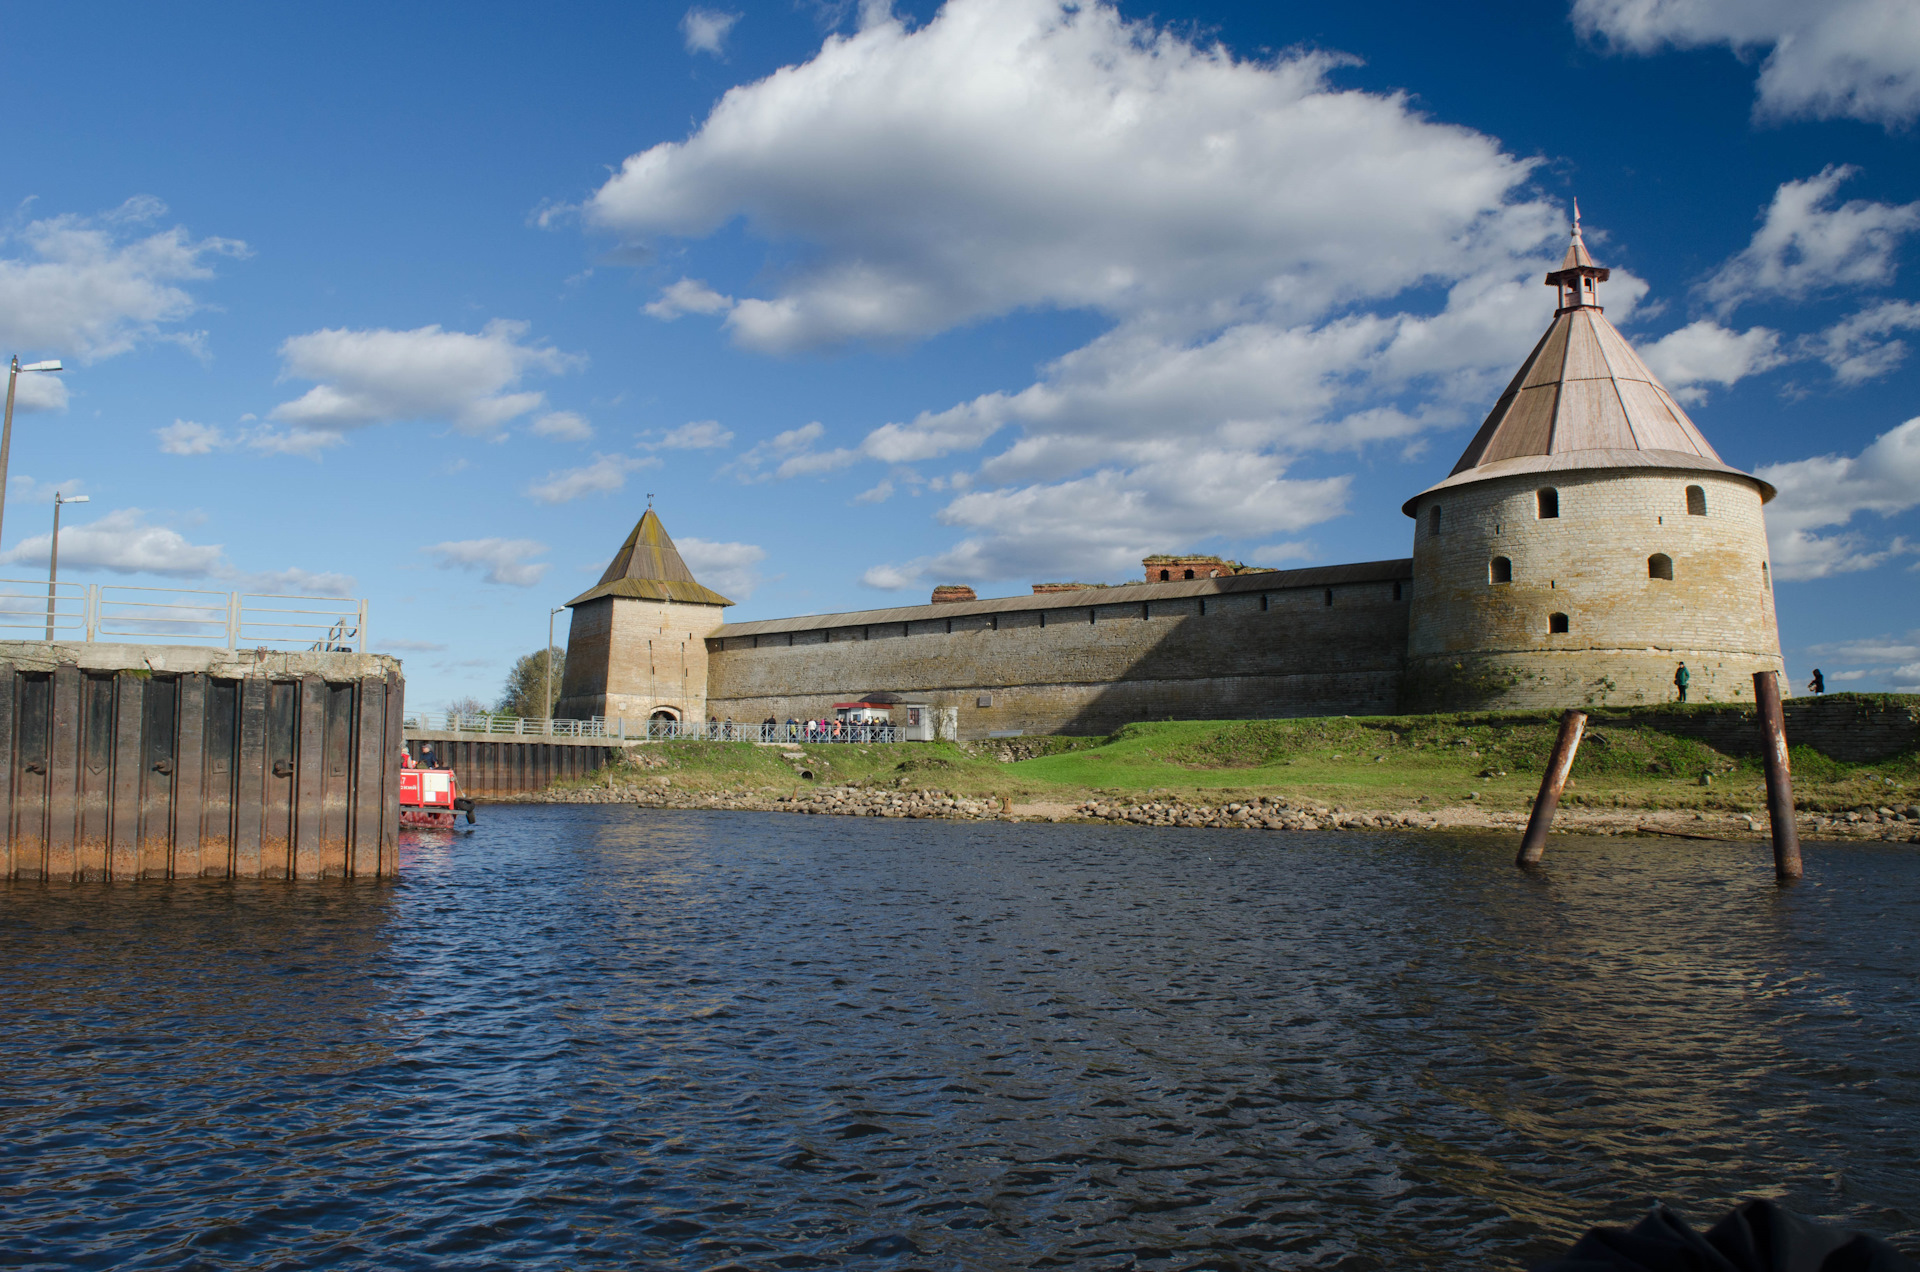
<point x="1773" y="729"/>
<point x="1534" y="845"/>
<point x="125" y="762"/>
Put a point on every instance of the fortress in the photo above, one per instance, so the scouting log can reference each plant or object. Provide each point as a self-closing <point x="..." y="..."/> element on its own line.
<point x="1588" y="542"/>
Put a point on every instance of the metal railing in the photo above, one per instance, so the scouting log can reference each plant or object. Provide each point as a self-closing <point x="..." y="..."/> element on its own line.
<point x="111" y="612"/>
<point x="617" y="729"/>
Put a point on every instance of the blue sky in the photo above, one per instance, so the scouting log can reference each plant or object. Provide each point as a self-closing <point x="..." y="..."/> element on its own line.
<point x="419" y="305"/>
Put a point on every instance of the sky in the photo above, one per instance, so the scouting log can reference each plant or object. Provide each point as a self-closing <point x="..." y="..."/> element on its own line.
<point x="421" y="304"/>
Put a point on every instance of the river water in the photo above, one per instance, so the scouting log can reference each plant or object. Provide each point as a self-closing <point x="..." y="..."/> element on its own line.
<point x="607" y="1037"/>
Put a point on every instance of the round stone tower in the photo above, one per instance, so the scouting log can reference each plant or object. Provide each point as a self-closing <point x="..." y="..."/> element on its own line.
<point x="1589" y="541"/>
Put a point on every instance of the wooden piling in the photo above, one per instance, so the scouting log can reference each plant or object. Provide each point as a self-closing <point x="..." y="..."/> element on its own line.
<point x="1534" y="845"/>
<point x="1773" y="729"/>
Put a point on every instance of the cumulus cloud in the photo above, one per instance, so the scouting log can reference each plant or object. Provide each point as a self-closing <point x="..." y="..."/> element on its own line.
<point x="565" y="426"/>
<point x="1856" y="59"/>
<point x="1860" y="348"/>
<point x="1830" y="491"/>
<point x="121" y="542"/>
<point x="503" y="561"/>
<point x="688" y="296"/>
<point x="93" y="287"/>
<point x="697" y="435"/>
<point x="1017" y="153"/>
<point x="41" y="391"/>
<point x="1101" y="525"/>
<point x="731" y="569"/>
<point x="1704" y="352"/>
<point x="289" y="582"/>
<point x="606" y="474"/>
<point x="185" y="437"/>
<point x="706" y="30"/>
<point x="791" y="454"/>
<point x="1806" y="245"/>
<point x="379" y="375"/>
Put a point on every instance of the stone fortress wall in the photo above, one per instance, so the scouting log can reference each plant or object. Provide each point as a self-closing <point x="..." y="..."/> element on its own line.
<point x="1649" y="569"/>
<point x="1328" y="641"/>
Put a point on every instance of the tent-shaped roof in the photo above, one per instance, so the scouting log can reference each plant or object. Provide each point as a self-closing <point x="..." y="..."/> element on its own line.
<point x="649" y="568"/>
<point x="1584" y="399"/>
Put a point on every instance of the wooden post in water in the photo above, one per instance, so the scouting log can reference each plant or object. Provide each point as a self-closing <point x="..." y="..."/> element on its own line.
<point x="1773" y="727"/>
<point x="1552" y="782"/>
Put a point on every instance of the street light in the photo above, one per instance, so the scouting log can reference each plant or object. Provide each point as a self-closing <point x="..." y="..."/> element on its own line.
<point x="6" y="430"/>
<point x="53" y="560"/>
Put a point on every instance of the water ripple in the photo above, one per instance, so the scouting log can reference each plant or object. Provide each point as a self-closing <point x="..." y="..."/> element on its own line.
<point x="609" y="1037"/>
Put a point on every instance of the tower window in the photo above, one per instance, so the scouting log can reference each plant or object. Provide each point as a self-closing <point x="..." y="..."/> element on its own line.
<point x="1433" y="521"/>
<point x="1660" y="566"/>
<point x="1329" y="596"/>
<point x="1189" y="573"/>
<point x="1549" y="502"/>
<point x="1165" y="575"/>
<point x="1396" y="591"/>
<point x="1696" y="502"/>
<point x="1556" y="622"/>
<point x="1764" y="580"/>
<point x="1501" y="571"/>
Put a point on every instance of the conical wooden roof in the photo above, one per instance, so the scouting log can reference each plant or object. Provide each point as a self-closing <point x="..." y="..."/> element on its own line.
<point x="648" y="567"/>
<point x="1584" y="399"/>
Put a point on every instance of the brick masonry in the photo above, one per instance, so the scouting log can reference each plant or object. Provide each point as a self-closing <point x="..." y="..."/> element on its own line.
<point x="632" y="658"/>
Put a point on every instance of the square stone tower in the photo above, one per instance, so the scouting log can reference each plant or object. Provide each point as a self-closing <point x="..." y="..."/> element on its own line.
<point x="637" y="643"/>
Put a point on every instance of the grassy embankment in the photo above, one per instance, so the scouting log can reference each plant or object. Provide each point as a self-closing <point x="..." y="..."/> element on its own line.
<point x="1492" y="760"/>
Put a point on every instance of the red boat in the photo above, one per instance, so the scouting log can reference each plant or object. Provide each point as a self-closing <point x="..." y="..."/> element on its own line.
<point x="430" y="797"/>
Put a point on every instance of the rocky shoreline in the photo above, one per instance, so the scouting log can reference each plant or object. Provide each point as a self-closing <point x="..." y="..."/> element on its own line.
<point x="1886" y="824"/>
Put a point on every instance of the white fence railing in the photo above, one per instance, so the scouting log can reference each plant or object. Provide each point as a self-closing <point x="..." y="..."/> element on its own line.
<point x="653" y="730"/>
<point x="109" y="612"/>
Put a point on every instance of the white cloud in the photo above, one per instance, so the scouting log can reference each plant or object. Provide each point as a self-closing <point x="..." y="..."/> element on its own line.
<point x="791" y="454"/>
<point x="122" y="542"/>
<point x="1858" y="348"/>
<point x="86" y="288"/>
<point x="1806" y="246"/>
<point x="565" y="426"/>
<point x="1704" y="352"/>
<point x="23" y="490"/>
<point x="41" y="391"/>
<point x="495" y="560"/>
<point x="1275" y="553"/>
<point x="730" y="569"/>
<point x="413" y="646"/>
<point x="698" y="435"/>
<point x="1858" y="59"/>
<point x="380" y="375"/>
<point x="1831" y="490"/>
<point x="688" y="296"/>
<point x="706" y="30"/>
<point x="1101" y="525"/>
<point x="289" y="582"/>
<point x="606" y="474"/>
<point x="1016" y="153"/>
<point x="876" y="494"/>
<point x="891" y="578"/>
<point x="185" y="437"/>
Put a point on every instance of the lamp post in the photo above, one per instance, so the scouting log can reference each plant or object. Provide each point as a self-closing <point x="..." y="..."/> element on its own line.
<point x="6" y="430"/>
<point x="548" y="656"/>
<point x="53" y="557"/>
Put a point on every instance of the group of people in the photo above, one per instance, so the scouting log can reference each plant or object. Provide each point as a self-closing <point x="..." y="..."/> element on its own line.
<point x="1682" y="678"/>
<point x="823" y="730"/>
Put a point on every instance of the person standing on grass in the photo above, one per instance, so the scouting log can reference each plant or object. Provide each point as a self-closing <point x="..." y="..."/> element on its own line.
<point x="1681" y="679"/>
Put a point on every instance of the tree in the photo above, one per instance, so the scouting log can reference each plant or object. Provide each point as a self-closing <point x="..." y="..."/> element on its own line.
<point x="468" y="705"/>
<point x="527" y="683"/>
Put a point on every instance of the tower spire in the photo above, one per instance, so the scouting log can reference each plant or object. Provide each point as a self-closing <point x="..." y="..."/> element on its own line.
<point x="1578" y="278"/>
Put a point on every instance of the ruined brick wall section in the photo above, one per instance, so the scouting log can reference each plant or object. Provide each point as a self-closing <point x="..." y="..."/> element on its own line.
<point x="1089" y="670"/>
<point x="630" y="658"/>
<point x="1475" y="643"/>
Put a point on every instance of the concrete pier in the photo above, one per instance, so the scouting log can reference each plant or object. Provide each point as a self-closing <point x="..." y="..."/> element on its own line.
<point x="128" y="762"/>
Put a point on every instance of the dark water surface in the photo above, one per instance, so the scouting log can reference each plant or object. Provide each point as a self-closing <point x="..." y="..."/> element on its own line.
<point x="599" y="1037"/>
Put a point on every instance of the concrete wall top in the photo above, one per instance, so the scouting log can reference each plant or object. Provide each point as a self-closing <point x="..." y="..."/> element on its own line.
<point x="1134" y="593"/>
<point x="224" y="664"/>
<point x="515" y="739"/>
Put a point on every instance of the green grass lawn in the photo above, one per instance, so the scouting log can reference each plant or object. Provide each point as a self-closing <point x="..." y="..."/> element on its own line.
<point x="1382" y="762"/>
